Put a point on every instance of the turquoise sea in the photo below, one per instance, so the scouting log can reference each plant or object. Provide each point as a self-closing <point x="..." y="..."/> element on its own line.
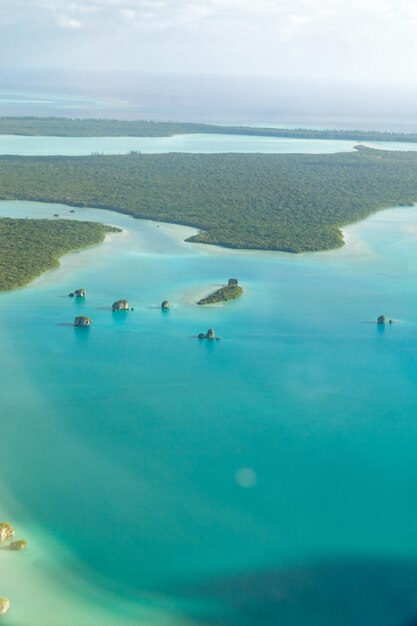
<point x="267" y="479"/>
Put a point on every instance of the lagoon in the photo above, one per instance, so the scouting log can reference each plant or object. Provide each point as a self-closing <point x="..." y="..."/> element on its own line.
<point x="126" y="446"/>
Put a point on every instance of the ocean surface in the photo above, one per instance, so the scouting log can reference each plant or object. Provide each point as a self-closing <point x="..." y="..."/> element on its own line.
<point x="265" y="479"/>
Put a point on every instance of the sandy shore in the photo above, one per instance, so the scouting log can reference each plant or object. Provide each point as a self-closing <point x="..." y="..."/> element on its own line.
<point x="46" y="591"/>
<point x="192" y="296"/>
<point x="75" y="260"/>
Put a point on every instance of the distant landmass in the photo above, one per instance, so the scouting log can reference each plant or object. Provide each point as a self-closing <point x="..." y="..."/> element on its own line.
<point x="288" y="202"/>
<point x="66" y="127"/>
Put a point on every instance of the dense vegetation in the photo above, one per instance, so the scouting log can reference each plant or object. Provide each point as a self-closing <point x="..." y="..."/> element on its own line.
<point x="66" y="127"/>
<point x="228" y="292"/>
<point x="290" y="202"/>
<point x="29" y="247"/>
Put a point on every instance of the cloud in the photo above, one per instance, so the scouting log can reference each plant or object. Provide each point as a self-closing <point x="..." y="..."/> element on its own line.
<point x="282" y="37"/>
<point x="65" y="21"/>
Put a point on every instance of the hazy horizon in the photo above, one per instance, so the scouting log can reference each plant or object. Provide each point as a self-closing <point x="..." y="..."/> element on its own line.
<point x="216" y="99"/>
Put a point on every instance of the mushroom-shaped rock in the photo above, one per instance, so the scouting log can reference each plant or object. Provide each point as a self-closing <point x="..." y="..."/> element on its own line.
<point x="80" y="293"/>
<point x="71" y="295"/>
<point x="165" y="304"/>
<point x="381" y="319"/>
<point x="4" y="605"/>
<point x="120" y="305"/>
<point x="210" y="333"/>
<point x="233" y="281"/>
<point x="82" y="320"/>
<point x="6" y="531"/>
<point x="21" y="544"/>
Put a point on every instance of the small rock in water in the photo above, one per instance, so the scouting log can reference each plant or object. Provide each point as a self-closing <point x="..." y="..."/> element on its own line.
<point x="120" y="305"/>
<point x="381" y="319"/>
<point x="21" y="544"/>
<point x="6" y="531"/>
<point x="82" y="320"/>
<point x="4" y="605"/>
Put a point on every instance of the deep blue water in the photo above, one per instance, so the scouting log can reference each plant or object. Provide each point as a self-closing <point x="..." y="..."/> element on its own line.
<point x="127" y="441"/>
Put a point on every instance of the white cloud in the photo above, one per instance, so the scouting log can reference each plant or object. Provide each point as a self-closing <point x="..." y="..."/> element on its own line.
<point x="65" y="21"/>
<point x="287" y="37"/>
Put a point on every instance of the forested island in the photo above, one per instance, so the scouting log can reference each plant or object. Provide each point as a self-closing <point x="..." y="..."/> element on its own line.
<point x="29" y="247"/>
<point x="288" y="202"/>
<point x="231" y="291"/>
<point x="68" y="127"/>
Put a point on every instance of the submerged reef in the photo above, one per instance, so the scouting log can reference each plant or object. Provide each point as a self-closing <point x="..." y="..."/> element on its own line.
<point x="20" y="544"/>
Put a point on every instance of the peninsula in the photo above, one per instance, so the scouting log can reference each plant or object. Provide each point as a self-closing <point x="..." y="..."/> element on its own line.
<point x="29" y="247"/>
<point x="288" y="202"/>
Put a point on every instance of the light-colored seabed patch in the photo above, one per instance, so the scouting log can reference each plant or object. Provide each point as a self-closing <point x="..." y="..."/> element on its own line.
<point x="74" y="261"/>
<point x="192" y="296"/>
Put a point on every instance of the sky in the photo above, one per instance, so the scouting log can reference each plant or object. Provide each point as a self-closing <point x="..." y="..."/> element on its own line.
<point x="337" y="40"/>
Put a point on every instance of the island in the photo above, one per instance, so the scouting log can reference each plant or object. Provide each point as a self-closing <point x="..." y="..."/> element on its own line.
<point x="80" y="293"/>
<point x="231" y="291"/>
<point x="120" y="305"/>
<point x="165" y="305"/>
<point x="29" y="247"/>
<point x="82" y="321"/>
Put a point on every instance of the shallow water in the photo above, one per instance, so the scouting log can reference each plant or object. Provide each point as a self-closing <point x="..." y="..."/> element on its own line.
<point x="249" y="481"/>
<point x="198" y="143"/>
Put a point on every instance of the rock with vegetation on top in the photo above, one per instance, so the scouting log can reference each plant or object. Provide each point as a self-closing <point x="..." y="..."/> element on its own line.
<point x="120" y="305"/>
<point x="210" y="334"/>
<point x="82" y="320"/>
<point x="21" y="544"/>
<point x="6" y="531"/>
<point x="381" y="319"/>
<point x="165" y="304"/>
<point x="231" y="291"/>
<point x="4" y="605"/>
<point x="80" y="293"/>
